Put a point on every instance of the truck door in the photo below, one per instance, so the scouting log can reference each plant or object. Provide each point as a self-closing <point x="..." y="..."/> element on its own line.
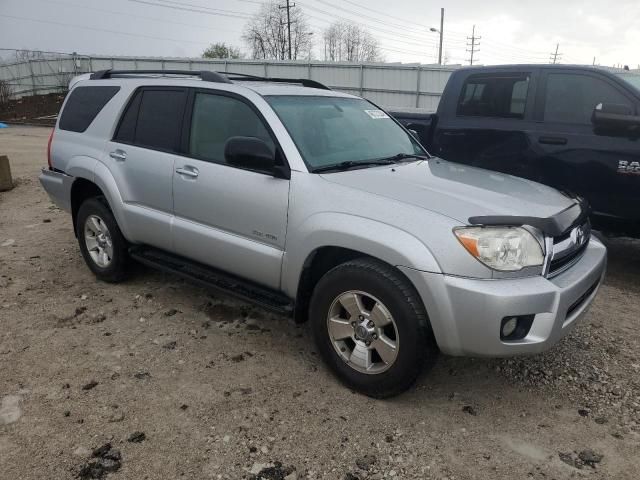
<point x="490" y="124"/>
<point x="576" y="156"/>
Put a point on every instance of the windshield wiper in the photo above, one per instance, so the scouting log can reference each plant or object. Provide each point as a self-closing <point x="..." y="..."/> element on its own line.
<point x="349" y="164"/>
<point x="406" y="156"/>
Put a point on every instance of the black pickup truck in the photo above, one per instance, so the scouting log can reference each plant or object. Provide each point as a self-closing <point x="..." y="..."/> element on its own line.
<point x="574" y="128"/>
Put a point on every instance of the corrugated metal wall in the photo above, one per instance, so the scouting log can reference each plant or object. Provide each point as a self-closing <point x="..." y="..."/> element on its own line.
<point x="389" y="85"/>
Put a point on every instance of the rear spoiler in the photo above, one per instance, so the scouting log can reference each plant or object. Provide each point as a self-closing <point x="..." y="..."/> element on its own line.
<point x="554" y="226"/>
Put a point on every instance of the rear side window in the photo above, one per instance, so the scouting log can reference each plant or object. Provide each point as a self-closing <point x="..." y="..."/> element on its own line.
<point x="571" y="98"/>
<point x="153" y="119"/>
<point x="494" y="96"/>
<point x="83" y="106"/>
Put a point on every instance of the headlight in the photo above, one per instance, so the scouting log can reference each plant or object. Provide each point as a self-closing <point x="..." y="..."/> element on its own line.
<point x="502" y="248"/>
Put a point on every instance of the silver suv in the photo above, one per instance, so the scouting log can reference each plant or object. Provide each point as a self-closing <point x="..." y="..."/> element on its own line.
<point x="317" y="204"/>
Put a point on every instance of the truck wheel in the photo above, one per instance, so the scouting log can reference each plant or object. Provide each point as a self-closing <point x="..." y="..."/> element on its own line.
<point x="102" y="245"/>
<point x="371" y="328"/>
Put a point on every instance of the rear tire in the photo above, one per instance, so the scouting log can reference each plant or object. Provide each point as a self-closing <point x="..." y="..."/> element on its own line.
<point x="381" y="341"/>
<point x="101" y="242"/>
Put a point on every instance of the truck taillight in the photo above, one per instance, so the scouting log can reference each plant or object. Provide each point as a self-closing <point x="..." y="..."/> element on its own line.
<point x="49" y="150"/>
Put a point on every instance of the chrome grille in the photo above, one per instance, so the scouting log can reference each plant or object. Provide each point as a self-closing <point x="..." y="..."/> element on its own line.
<point x="568" y="248"/>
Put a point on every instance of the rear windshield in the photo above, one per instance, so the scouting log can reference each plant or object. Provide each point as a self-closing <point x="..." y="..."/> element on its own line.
<point x="83" y="105"/>
<point x="331" y="130"/>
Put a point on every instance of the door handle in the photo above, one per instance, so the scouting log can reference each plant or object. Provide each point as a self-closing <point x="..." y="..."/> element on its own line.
<point x="187" y="171"/>
<point x="119" y="155"/>
<point x="454" y="134"/>
<point x="553" y="140"/>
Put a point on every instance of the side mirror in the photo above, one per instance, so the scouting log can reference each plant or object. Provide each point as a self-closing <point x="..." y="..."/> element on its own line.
<point x="415" y="130"/>
<point x="614" y="115"/>
<point x="249" y="152"/>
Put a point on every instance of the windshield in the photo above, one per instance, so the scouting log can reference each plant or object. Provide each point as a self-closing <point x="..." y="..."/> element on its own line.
<point x="631" y="78"/>
<point x="332" y="130"/>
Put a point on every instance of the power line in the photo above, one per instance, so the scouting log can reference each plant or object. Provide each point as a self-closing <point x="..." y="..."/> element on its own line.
<point x="128" y="15"/>
<point x="205" y="10"/>
<point x="555" y="56"/>
<point x="386" y="15"/>
<point x="96" y="29"/>
<point x="474" y="43"/>
<point x="333" y="16"/>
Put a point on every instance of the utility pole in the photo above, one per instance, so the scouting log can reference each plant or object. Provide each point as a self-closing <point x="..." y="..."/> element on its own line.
<point x="474" y="43"/>
<point x="594" y="61"/>
<point x="441" y="35"/>
<point x="555" y="56"/>
<point x="288" y="7"/>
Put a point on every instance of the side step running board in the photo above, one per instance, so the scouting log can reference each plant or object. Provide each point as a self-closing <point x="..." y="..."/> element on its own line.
<point x="213" y="278"/>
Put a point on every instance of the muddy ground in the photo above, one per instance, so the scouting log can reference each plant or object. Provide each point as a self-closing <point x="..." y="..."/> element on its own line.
<point x="185" y="383"/>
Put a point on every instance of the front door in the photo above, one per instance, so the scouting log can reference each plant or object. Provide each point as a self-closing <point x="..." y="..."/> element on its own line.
<point x="227" y="217"/>
<point x="576" y="156"/>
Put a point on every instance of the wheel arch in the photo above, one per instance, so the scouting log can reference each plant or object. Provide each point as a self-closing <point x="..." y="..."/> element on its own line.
<point x="329" y="245"/>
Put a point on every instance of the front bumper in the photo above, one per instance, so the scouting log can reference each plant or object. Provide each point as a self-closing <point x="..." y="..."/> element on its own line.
<point x="58" y="186"/>
<point x="466" y="313"/>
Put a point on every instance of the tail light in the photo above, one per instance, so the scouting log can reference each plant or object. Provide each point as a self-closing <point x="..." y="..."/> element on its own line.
<point x="49" y="150"/>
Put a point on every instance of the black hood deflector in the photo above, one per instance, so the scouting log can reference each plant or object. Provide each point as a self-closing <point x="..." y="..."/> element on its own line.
<point x="554" y="226"/>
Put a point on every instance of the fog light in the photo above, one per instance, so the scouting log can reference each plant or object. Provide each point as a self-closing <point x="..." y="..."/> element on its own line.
<point x="509" y="327"/>
<point x="516" y="327"/>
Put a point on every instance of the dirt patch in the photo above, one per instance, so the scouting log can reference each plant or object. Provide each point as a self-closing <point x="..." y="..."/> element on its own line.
<point x="224" y="391"/>
<point x="32" y="109"/>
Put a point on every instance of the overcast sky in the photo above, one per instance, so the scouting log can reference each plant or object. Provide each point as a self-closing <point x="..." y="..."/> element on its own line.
<point x="511" y="30"/>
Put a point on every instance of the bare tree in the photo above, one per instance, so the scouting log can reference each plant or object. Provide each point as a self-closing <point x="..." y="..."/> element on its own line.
<point x="345" y="41"/>
<point x="267" y="37"/>
<point x="6" y="92"/>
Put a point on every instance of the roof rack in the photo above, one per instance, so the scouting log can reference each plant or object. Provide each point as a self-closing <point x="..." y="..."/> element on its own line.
<point x="305" y="82"/>
<point x="205" y="75"/>
<point x="209" y="76"/>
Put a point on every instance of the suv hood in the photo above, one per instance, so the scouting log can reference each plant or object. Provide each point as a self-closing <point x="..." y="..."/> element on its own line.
<point x="455" y="190"/>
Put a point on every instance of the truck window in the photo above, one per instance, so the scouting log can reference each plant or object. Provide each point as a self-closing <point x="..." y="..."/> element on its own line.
<point x="571" y="98"/>
<point x="83" y="106"/>
<point x="153" y="119"/>
<point x="494" y="96"/>
<point x="215" y="119"/>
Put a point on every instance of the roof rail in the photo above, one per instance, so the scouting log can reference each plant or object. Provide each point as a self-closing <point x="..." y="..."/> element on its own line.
<point x="205" y="75"/>
<point x="305" y="82"/>
<point x="208" y="76"/>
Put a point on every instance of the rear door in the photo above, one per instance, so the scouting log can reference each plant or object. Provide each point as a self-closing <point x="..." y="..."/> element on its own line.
<point x="490" y="122"/>
<point x="141" y="157"/>
<point x="578" y="157"/>
<point x="227" y="217"/>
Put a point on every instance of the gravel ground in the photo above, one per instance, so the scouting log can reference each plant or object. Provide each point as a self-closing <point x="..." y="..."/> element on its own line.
<point x="156" y="378"/>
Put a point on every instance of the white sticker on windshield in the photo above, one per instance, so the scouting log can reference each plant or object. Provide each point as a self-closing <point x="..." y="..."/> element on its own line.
<point x="376" y="114"/>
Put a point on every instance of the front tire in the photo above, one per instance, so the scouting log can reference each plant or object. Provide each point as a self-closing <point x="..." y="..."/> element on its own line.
<point x="101" y="242"/>
<point x="371" y="328"/>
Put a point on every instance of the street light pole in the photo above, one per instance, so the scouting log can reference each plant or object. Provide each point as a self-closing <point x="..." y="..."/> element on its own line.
<point x="433" y="29"/>
<point x="441" y="34"/>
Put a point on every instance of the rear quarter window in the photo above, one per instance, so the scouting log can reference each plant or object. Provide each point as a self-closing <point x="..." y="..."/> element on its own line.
<point x="83" y="106"/>
<point x="500" y="95"/>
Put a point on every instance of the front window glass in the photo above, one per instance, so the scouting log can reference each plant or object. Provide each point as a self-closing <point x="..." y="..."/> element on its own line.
<point x="631" y="78"/>
<point x="216" y="119"/>
<point x="332" y="130"/>
<point x="571" y="98"/>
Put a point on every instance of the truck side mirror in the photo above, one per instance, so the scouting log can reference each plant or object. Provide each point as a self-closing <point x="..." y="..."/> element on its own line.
<point x="610" y="115"/>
